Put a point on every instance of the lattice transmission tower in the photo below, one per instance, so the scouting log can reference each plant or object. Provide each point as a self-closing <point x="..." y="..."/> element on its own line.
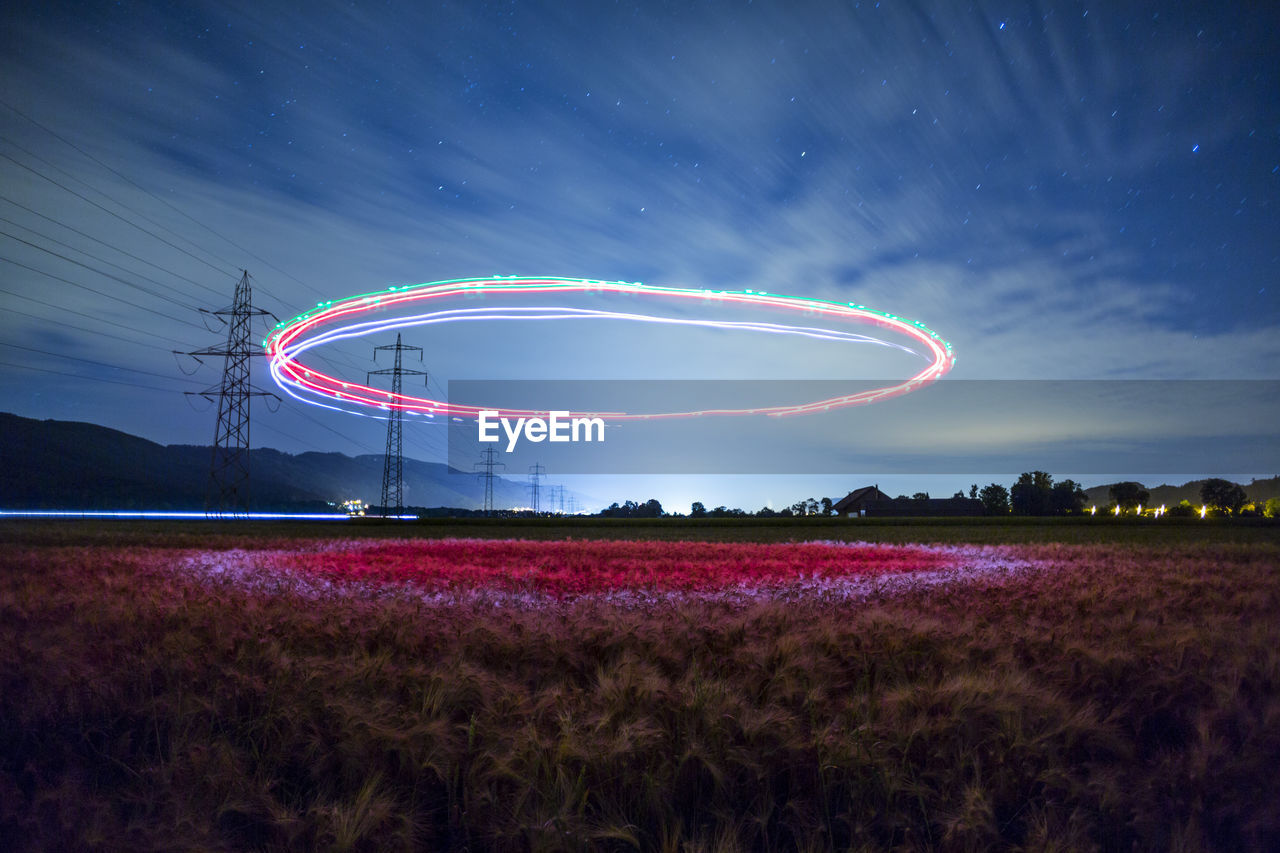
<point x="556" y="504"/>
<point x="488" y="464"/>
<point x="536" y="473"/>
<point x="393" y="464"/>
<point x="228" y="489"/>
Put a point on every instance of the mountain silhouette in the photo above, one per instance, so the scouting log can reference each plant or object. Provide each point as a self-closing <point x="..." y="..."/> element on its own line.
<point x="49" y="464"/>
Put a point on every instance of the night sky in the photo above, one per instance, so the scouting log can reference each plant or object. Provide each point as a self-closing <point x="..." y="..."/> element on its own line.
<point x="1062" y="191"/>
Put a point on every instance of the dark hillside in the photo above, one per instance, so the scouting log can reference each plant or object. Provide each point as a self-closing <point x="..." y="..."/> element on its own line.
<point x="71" y="465"/>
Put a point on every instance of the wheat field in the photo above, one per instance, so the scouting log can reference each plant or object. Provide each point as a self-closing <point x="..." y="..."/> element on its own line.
<point x="1101" y="697"/>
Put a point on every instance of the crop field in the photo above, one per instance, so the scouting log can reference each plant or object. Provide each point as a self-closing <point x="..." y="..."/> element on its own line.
<point x="660" y="686"/>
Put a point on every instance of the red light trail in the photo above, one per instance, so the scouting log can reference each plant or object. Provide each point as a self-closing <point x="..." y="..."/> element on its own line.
<point x="290" y="339"/>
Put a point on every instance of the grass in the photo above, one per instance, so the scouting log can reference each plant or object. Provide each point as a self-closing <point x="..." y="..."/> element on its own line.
<point x="1124" y="698"/>
<point x="981" y="531"/>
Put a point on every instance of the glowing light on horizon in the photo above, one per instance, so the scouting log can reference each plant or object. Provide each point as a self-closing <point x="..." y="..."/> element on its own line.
<point x="289" y="339"/>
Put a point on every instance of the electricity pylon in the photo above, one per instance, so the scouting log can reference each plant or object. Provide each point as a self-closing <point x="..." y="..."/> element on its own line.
<point x="557" y="500"/>
<point x="228" y="489"/>
<point x="393" y="463"/>
<point x="536" y="472"/>
<point x="488" y="465"/>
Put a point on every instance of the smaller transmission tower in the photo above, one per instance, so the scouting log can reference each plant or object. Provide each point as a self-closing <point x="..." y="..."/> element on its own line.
<point x="488" y="464"/>
<point x="228" y="490"/>
<point x="536" y="473"/>
<point x="557" y="500"/>
<point x="393" y="464"/>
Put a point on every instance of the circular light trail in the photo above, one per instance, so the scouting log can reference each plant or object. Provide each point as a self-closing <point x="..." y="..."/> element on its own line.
<point x="338" y="320"/>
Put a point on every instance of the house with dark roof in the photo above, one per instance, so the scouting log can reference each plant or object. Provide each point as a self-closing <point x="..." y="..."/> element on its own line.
<point x="870" y="502"/>
<point x="856" y="502"/>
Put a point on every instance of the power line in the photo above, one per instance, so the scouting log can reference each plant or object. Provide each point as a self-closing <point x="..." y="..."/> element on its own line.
<point x="428" y="443"/>
<point x="114" y="200"/>
<point x="338" y="433"/>
<point x="425" y="439"/>
<point x="87" y="378"/>
<point x="94" y="269"/>
<point x="99" y="292"/>
<point x="291" y="436"/>
<point x="90" y="361"/>
<point x="67" y="325"/>
<point x="284" y="433"/>
<point x="87" y="236"/>
<point x="111" y="212"/>
<point x="90" y="316"/>
<point x="152" y="195"/>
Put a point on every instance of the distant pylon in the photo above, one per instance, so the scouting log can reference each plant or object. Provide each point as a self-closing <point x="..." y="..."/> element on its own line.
<point x="488" y="465"/>
<point x="557" y="500"/>
<point x="536" y="473"/>
<point x="228" y="489"/>
<point x="393" y="463"/>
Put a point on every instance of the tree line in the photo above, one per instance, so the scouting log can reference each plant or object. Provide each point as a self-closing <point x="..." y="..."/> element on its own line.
<point x="1035" y="493"/>
<point x="1221" y="496"/>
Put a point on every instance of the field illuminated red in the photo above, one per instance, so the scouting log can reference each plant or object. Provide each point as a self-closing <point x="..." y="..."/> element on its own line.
<point x="538" y="571"/>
